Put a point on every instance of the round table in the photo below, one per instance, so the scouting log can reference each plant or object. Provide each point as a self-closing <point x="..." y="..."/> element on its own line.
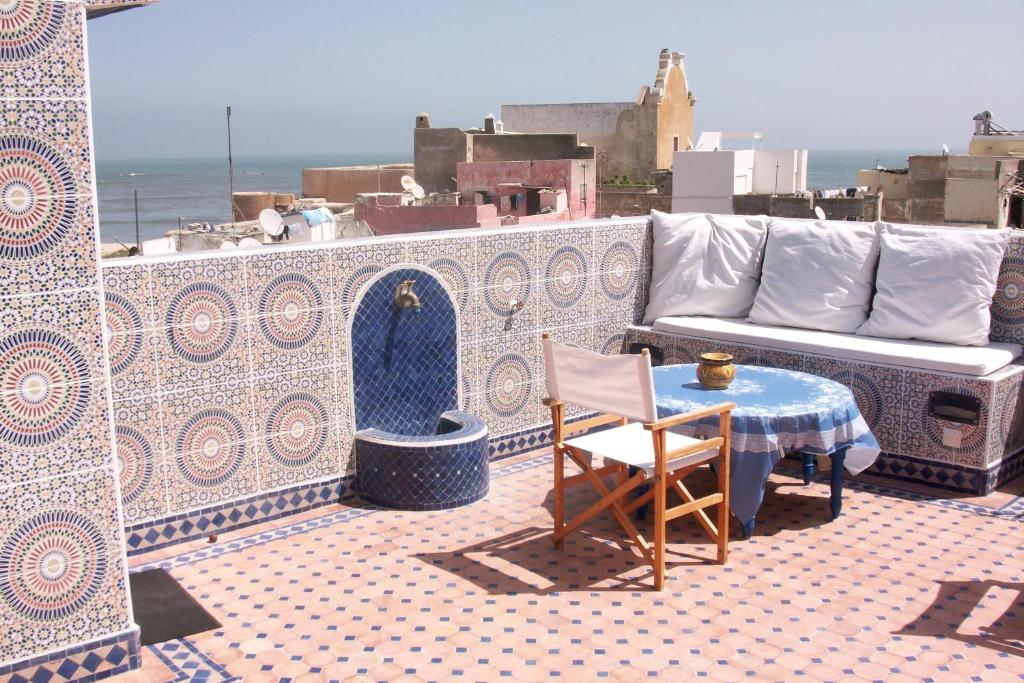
<point x="776" y="411"/>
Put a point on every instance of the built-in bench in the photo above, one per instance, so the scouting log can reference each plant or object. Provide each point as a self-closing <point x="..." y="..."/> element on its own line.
<point x="946" y="416"/>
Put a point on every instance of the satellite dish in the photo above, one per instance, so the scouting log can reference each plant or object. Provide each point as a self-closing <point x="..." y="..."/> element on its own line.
<point x="271" y="222"/>
<point x="945" y="149"/>
<point x="410" y="185"/>
<point x="249" y="243"/>
<point x="819" y="212"/>
<point x="228" y="245"/>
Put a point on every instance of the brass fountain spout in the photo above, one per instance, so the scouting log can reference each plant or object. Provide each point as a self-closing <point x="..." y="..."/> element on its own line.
<point x="405" y="297"/>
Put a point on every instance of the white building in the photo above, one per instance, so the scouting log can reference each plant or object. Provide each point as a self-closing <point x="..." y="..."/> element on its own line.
<point x="707" y="177"/>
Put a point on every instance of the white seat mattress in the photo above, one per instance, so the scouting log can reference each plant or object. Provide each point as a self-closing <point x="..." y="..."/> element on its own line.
<point x="976" y="361"/>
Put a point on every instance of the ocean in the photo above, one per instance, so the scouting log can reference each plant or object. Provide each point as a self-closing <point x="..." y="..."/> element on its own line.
<point x="196" y="190"/>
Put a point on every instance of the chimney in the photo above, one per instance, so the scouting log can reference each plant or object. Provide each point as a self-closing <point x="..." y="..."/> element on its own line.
<point x="423" y="120"/>
<point x="489" y="124"/>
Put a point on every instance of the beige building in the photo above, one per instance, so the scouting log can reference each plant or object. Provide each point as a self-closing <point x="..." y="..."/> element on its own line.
<point x="632" y="139"/>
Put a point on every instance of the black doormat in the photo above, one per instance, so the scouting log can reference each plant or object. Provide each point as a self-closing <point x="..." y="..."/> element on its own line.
<point x="164" y="610"/>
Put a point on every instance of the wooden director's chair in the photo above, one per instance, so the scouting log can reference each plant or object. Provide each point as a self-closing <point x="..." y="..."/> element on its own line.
<point x="621" y="388"/>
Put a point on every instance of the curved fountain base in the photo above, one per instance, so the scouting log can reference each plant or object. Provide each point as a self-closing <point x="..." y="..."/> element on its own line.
<point x="429" y="472"/>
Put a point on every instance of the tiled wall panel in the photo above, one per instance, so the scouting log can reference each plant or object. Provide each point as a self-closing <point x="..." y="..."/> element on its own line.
<point x="63" y="598"/>
<point x="221" y="331"/>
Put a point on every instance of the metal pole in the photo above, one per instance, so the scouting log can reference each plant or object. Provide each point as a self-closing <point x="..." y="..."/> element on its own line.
<point x="776" y="178"/>
<point x="138" y="241"/>
<point x="231" y="172"/>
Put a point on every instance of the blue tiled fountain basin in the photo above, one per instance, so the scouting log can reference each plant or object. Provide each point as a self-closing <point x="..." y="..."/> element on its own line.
<point x="420" y="472"/>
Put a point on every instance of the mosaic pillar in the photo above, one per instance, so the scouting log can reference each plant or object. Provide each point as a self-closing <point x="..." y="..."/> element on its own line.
<point x="64" y="606"/>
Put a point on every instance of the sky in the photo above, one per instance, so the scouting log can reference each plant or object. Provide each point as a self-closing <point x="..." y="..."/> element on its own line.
<point x="349" y="76"/>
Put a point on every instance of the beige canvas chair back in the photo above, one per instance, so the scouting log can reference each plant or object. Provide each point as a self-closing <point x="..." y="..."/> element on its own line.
<point x="620" y="385"/>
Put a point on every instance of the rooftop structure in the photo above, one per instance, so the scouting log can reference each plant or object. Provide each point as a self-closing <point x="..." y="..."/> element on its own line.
<point x="632" y="139"/>
<point x="438" y="151"/>
<point x="197" y="413"/>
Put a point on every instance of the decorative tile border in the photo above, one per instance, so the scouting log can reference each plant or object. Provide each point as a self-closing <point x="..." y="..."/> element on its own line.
<point x="83" y="663"/>
<point x="264" y="507"/>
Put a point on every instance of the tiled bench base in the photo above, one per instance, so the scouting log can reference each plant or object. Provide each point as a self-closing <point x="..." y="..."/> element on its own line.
<point x="83" y="663"/>
<point x="916" y="447"/>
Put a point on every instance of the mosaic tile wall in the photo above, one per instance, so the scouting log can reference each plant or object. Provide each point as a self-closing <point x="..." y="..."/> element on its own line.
<point x="206" y="349"/>
<point x="63" y="598"/>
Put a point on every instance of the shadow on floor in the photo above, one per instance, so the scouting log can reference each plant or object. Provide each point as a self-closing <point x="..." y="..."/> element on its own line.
<point x="951" y="612"/>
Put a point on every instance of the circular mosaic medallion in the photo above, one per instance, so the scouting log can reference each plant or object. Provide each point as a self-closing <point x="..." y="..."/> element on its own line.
<point x="507" y="278"/>
<point x="45" y="385"/>
<point x="565" y="277"/>
<point x="135" y="462"/>
<point x="210" y="447"/>
<point x="38" y="205"/>
<point x="613" y="345"/>
<point x="124" y="341"/>
<point x="508" y="381"/>
<point x="297" y="429"/>
<point x="972" y="436"/>
<point x="202" y="322"/>
<point x="1008" y="302"/>
<point x="455" y="276"/>
<point x="356" y="281"/>
<point x="619" y="271"/>
<point x="28" y="28"/>
<point x="868" y="395"/>
<point x="291" y="311"/>
<point x="54" y="564"/>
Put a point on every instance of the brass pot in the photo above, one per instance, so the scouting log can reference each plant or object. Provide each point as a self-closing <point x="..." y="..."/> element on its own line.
<point x="716" y="370"/>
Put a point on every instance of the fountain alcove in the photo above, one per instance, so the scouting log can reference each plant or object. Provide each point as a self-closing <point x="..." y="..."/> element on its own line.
<point x="414" y="448"/>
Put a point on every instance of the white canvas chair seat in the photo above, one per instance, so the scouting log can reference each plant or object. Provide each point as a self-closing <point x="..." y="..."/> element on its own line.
<point x="620" y="389"/>
<point x="632" y="445"/>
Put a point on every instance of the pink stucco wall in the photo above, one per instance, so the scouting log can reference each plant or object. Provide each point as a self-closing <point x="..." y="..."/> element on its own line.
<point x="566" y="174"/>
<point x="395" y="220"/>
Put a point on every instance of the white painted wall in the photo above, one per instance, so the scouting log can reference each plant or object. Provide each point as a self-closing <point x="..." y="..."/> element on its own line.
<point x="702" y="179"/>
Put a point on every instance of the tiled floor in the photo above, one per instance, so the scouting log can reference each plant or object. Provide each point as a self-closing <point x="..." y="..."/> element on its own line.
<point x="901" y="587"/>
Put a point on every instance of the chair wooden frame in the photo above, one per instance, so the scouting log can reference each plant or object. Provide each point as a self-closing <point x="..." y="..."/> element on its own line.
<point x="660" y="483"/>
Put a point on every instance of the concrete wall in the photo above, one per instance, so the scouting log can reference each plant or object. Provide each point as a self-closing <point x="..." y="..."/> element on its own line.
<point x="593" y="122"/>
<point x="996" y="145"/>
<point x="436" y="151"/>
<point x="891" y="185"/>
<point x="630" y="201"/>
<point x="342" y="184"/>
<point x="526" y="147"/>
<point x="709" y="177"/>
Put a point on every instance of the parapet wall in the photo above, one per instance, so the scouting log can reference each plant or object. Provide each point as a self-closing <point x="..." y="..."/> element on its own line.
<point x="207" y="349"/>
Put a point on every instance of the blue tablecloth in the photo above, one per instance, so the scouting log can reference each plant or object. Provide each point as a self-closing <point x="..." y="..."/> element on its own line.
<point x="775" y="409"/>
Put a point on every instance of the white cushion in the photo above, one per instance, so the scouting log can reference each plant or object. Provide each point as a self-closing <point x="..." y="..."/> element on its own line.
<point x="817" y="275"/>
<point x="936" y="285"/>
<point x="705" y="264"/>
<point x="975" y="361"/>
<point x="633" y="445"/>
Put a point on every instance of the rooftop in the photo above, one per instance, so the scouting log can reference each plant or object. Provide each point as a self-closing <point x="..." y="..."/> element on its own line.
<point x="905" y="587"/>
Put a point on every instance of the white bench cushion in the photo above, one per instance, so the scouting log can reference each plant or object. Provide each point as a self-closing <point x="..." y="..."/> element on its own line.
<point x="633" y="445"/>
<point x="976" y="361"/>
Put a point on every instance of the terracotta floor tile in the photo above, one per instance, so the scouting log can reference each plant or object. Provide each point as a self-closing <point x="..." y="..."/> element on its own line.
<point x="898" y="588"/>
